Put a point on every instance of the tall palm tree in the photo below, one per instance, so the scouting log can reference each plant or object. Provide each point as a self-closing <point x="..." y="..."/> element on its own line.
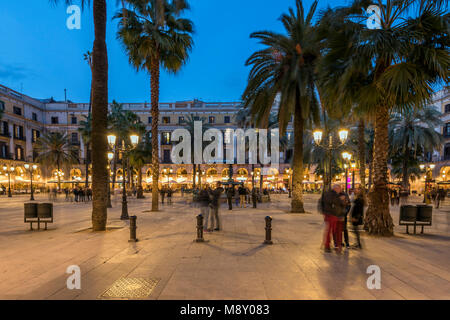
<point x="285" y="68"/>
<point x="154" y="36"/>
<point x="412" y="134"/>
<point x="55" y="150"/>
<point x="99" y="87"/>
<point x="85" y="131"/>
<point x="139" y="157"/>
<point x="397" y="66"/>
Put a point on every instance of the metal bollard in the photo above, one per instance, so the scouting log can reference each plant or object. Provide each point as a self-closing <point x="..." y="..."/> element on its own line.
<point x="268" y="239"/>
<point x="199" y="229"/>
<point x="133" y="229"/>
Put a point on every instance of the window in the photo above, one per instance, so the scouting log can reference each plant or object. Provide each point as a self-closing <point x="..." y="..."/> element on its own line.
<point x="18" y="132"/>
<point x="2" y="105"/>
<point x="166" y="120"/>
<point x="447" y="129"/>
<point x="150" y="120"/>
<point x="35" y="134"/>
<point x="447" y="108"/>
<point x="180" y="120"/>
<point x="4" y="150"/>
<point x="19" y="153"/>
<point x="74" y="137"/>
<point x="55" y="120"/>
<point x="447" y="152"/>
<point x="196" y="118"/>
<point x="74" y="120"/>
<point x="17" y="111"/>
<point x="165" y="138"/>
<point x="212" y="119"/>
<point x="226" y="119"/>
<point x="34" y="116"/>
<point x="5" y="129"/>
<point x="166" y="156"/>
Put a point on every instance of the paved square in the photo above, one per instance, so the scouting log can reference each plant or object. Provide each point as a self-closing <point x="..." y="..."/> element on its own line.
<point x="233" y="264"/>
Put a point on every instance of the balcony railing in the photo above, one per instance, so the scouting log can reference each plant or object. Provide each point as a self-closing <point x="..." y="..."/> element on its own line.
<point x="5" y="134"/>
<point x="22" y="138"/>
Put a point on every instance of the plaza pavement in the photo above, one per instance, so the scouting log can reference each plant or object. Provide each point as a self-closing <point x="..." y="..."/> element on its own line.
<point x="232" y="264"/>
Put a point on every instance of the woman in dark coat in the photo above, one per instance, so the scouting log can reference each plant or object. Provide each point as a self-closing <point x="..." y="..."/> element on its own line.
<point x="357" y="215"/>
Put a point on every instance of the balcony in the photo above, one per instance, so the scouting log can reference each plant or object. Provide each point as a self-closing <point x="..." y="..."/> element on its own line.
<point x="5" y="134"/>
<point x="6" y="157"/>
<point x="22" y="138"/>
<point x="75" y="143"/>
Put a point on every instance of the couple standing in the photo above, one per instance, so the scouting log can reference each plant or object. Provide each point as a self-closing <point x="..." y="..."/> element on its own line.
<point x="335" y="206"/>
<point x="209" y="202"/>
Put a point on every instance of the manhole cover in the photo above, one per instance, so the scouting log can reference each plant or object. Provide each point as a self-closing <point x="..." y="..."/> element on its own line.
<point x="131" y="288"/>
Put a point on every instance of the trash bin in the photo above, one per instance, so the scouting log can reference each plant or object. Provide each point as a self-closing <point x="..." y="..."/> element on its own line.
<point x="30" y="210"/>
<point x="408" y="213"/>
<point x="45" y="210"/>
<point x="424" y="213"/>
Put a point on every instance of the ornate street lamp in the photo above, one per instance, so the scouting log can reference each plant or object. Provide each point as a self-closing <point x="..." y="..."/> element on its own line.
<point x="428" y="177"/>
<point x="124" y="149"/>
<point x="11" y="169"/>
<point x="329" y="145"/>
<point x="31" y="169"/>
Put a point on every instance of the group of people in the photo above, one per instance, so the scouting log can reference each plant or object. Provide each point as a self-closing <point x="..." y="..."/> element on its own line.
<point x="208" y="200"/>
<point x="438" y="196"/>
<point x="336" y="207"/>
<point x="80" y="194"/>
<point x="166" y="191"/>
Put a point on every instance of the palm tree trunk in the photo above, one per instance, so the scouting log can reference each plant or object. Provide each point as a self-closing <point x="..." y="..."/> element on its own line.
<point x="362" y="155"/>
<point x="297" y="164"/>
<point x="86" y="159"/>
<point x="154" y="87"/>
<point x="59" y="176"/>
<point x="99" y="118"/>
<point x="378" y="219"/>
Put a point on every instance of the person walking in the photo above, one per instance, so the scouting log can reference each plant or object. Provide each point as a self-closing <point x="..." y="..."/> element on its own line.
<point x="203" y="202"/>
<point x="343" y="218"/>
<point x="214" y="207"/>
<point x="357" y="215"/>
<point x="242" y="193"/>
<point x="169" y="195"/>
<point x="331" y="205"/>
<point x="163" y="193"/>
<point x="230" y="194"/>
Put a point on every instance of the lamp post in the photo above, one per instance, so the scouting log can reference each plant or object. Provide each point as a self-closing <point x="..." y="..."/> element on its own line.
<point x="329" y="145"/>
<point x="347" y="157"/>
<point x="31" y="169"/>
<point x="289" y="173"/>
<point x="428" y="178"/>
<point x="353" y="165"/>
<point x="134" y="139"/>
<point x="11" y="170"/>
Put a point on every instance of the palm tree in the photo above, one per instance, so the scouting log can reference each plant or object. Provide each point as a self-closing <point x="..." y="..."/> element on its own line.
<point x="285" y="69"/>
<point x="54" y="149"/>
<point x="139" y="157"/>
<point x="412" y="134"/>
<point x="397" y="66"/>
<point x="85" y="131"/>
<point x="155" y="36"/>
<point x="99" y="86"/>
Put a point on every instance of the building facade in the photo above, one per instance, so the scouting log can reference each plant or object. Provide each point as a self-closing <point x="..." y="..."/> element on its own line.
<point x="25" y="119"/>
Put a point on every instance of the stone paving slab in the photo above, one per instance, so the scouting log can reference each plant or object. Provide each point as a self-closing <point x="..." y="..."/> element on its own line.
<point x="232" y="264"/>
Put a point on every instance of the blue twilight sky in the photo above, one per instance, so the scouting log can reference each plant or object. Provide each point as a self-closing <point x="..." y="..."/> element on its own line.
<point x="40" y="56"/>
